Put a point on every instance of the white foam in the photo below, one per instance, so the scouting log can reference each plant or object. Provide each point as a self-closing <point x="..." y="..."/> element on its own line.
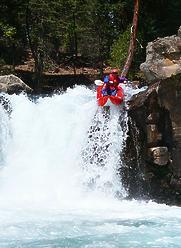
<point x="48" y="157"/>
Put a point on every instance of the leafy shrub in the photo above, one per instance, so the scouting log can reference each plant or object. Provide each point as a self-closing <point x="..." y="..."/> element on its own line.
<point x="119" y="50"/>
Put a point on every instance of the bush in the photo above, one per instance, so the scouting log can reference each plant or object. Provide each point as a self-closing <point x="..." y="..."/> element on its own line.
<point x="119" y="50"/>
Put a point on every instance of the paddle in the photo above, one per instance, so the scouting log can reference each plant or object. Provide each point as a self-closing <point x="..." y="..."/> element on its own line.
<point x="98" y="82"/>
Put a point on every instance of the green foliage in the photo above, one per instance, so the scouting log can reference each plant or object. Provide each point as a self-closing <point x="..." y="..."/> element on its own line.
<point x="159" y="18"/>
<point x="7" y="31"/>
<point x="119" y="49"/>
<point x="2" y="62"/>
<point x="97" y="31"/>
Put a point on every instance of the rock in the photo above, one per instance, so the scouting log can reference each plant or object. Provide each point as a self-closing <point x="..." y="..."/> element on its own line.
<point x="170" y="98"/>
<point x="153" y="135"/>
<point x="163" y="58"/>
<point x="11" y="84"/>
<point x="159" y="155"/>
<point x="140" y="98"/>
<point x="155" y="124"/>
<point x="176" y="183"/>
<point x="157" y="117"/>
<point x="179" y="32"/>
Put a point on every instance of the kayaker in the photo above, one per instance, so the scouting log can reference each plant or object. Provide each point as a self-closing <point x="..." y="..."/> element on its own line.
<point x="111" y="83"/>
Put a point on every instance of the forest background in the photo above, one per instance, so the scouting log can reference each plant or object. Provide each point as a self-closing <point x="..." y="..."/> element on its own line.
<point x="72" y="34"/>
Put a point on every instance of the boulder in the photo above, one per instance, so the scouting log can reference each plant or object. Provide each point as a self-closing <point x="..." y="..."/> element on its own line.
<point x="11" y="84"/>
<point x="163" y="58"/>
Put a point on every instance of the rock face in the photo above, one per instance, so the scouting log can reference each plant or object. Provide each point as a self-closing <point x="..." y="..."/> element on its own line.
<point x="163" y="58"/>
<point x="153" y="160"/>
<point x="11" y="84"/>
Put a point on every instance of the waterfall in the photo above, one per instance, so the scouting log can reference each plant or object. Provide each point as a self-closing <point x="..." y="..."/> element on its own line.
<point x="60" y="159"/>
<point x="102" y="153"/>
<point x="60" y="150"/>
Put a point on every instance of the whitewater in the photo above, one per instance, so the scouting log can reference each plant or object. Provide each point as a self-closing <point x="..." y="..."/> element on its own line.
<point x="60" y="185"/>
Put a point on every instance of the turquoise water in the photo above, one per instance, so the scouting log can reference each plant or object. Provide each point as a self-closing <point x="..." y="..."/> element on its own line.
<point x="124" y="224"/>
<point x="59" y="182"/>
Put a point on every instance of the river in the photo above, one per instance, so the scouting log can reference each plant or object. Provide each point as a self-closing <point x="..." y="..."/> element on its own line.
<point x="59" y="181"/>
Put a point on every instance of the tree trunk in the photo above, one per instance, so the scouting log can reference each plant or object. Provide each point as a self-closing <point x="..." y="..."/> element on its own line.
<point x="38" y="57"/>
<point x="75" y="44"/>
<point x="132" y="44"/>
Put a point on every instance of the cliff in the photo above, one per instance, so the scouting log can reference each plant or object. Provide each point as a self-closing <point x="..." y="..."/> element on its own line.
<point x="153" y="154"/>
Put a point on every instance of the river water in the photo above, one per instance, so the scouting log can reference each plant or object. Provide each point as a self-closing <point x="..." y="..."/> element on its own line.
<point x="59" y="185"/>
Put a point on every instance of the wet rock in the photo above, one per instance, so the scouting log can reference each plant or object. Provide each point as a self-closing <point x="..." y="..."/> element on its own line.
<point x="153" y="135"/>
<point x="139" y="100"/>
<point x="11" y="84"/>
<point x="176" y="183"/>
<point x="153" y="118"/>
<point x="159" y="155"/>
<point x="170" y="97"/>
<point x="156" y="115"/>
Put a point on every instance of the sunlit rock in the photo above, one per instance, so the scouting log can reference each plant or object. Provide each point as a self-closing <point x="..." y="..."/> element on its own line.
<point x="11" y="84"/>
<point x="163" y="58"/>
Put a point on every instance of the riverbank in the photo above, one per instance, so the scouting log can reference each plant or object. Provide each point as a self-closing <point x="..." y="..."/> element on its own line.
<point x="52" y="80"/>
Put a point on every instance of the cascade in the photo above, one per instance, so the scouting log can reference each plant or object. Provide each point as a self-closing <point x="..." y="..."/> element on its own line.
<point x="101" y="156"/>
<point x="60" y="182"/>
<point x="56" y="150"/>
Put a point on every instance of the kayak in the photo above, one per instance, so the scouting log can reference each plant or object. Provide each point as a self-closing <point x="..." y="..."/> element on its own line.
<point x="108" y="99"/>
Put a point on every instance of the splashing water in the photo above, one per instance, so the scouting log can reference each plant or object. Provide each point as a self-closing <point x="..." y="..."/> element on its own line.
<point x="50" y="145"/>
<point x="59" y="182"/>
<point x="101" y="154"/>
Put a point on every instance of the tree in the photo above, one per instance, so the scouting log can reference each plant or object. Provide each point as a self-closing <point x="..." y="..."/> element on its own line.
<point x="12" y="35"/>
<point x="91" y="32"/>
<point x="42" y="26"/>
<point x="119" y="49"/>
<point x="132" y="40"/>
<point x="103" y="22"/>
<point x="159" y="18"/>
